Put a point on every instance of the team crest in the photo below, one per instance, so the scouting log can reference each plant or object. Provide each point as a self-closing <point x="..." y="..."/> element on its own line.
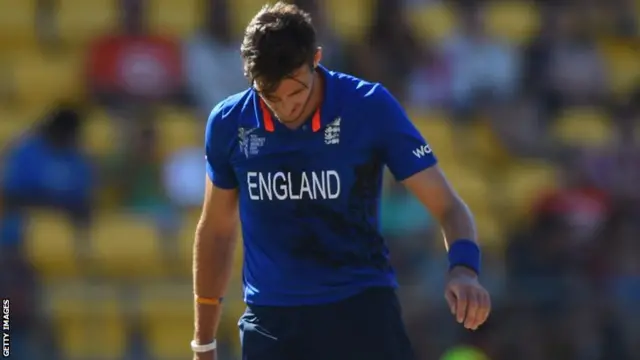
<point x="332" y="132"/>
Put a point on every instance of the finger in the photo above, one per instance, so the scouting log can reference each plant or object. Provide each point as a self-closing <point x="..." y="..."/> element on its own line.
<point x="485" y="308"/>
<point x="471" y="321"/>
<point x="451" y="301"/>
<point x="461" y="306"/>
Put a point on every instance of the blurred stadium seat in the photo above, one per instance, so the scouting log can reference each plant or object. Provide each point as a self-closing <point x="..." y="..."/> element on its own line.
<point x="179" y="129"/>
<point x="483" y="144"/>
<point x="100" y="136"/>
<point x="50" y="244"/>
<point x="177" y="18"/>
<point x="80" y="21"/>
<point x="186" y="237"/>
<point x="438" y="130"/>
<point x="17" y="27"/>
<point x="349" y="19"/>
<point x="89" y="321"/>
<point x="15" y="122"/>
<point x="167" y="319"/>
<point x="434" y="21"/>
<point x="584" y="126"/>
<point x="623" y="65"/>
<point x="241" y="12"/>
<point x="126" y="246"/>
<point x="515" y="21"/>
<point x="42" y="81"/>
<point x="523" y="183"/>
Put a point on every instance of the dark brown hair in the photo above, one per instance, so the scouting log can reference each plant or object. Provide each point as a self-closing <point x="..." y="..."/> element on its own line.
<point x="278" y="40"/>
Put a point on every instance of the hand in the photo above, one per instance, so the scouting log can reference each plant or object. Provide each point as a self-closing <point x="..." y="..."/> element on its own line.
<point x="209" y="355"/>
<point x="469" y="302"/>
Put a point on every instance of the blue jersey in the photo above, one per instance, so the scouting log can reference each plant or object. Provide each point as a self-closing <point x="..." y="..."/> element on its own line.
<point x="310" y="197"/>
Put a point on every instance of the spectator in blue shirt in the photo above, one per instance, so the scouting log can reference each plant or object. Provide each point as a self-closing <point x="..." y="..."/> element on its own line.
<point x="45" y="168"/>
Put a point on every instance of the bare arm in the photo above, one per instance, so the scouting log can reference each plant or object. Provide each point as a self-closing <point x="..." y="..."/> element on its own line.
<point x="434" y="191"/>
<point x="213" y="249"/>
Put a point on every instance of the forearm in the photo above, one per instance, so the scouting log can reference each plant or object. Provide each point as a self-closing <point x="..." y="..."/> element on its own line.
<point x="457" y="223"/>
<point x="212" y="267"/>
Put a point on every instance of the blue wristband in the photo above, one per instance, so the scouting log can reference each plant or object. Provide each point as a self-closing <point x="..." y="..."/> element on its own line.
<point x="465" y="253"/>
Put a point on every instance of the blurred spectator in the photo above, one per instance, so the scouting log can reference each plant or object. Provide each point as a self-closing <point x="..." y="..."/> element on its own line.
<point x="615" y="168"/>
<point x="483" y="68"/>
<point x="430" y="84"/>
<point x="407" y="226"/>
<point x="565" y="67"/>
<point x="141" y="190"/>
<point x="132" y="65"/>
<point x="388" y="54"/>
<point x="333" y="52"/>
<point x="213" y="66"/>
<point x="621" y="252"/>
<point x="183" y="178"/>
<point x="580" y="204"/>
<point x="540" y="267"/>
<point x="46" y="168"/>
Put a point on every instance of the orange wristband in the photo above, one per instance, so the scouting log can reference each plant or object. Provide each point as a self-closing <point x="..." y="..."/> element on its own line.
<point x="208" y="301"/>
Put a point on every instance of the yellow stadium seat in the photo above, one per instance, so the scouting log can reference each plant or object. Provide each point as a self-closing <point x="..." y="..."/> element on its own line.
<point x="100" y="136"/>
<point x="470" y="185"/>
<point x="178" y="130"/>
<point x="490" y="229"/>
<point x="126" y="246"/>
<point x="521" y="186"/>
<point x="50" y="244"/>
<point x="483" y="144"/>
<point x="438" y="131"/>
<point x="623" y="65"/>
<point x="176" y="17"/>
<point x="241" y="12"/>
<point x="583" y="127"/>
<point x="80" y="21"/>
<point x="187" y="235"/>
<point x="89" y="321"/>
<point x="43" y="81"/>
<point x="17" y="22"/>
<point x="349" y="19"/>
<point x="166" y="312"/>
<point x="14" y="123"/>
<point x="515" y="21"/>
<point x="433" y="22"/>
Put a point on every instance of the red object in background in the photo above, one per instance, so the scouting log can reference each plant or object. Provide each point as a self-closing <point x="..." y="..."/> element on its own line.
<point x="584" y="209"/>
<point x="141" y="66"/>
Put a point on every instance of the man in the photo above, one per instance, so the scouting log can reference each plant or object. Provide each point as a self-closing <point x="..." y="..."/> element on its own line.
<point x="46" y="169"/>
<point x="302" y="153"/>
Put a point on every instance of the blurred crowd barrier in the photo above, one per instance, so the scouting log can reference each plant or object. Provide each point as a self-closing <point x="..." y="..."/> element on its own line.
<point x="532" y="108"/>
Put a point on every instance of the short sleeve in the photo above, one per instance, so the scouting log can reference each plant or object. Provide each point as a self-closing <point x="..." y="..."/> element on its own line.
<point x="217" y="140"/>
<point x="404" y="149"/>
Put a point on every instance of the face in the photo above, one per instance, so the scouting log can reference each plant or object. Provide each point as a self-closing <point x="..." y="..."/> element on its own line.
<point x="289" y="100"/>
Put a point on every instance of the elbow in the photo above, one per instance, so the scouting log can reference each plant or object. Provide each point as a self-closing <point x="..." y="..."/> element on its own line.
<point x="210" y="237"/>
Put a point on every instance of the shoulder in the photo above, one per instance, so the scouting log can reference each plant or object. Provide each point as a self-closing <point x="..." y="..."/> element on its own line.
<point x="224" y="119"/>
<point x="228" y="112"/>
<point x="359" y="93"/>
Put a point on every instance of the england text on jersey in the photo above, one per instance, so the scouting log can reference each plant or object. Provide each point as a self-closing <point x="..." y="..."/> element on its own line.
<point x="311" y="185"/>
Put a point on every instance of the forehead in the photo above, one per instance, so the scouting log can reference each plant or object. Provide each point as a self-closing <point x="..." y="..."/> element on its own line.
<point x="299" y="79"/>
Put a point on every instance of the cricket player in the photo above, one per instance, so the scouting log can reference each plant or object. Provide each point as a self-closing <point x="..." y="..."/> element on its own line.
<point x="298" y="159"/>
